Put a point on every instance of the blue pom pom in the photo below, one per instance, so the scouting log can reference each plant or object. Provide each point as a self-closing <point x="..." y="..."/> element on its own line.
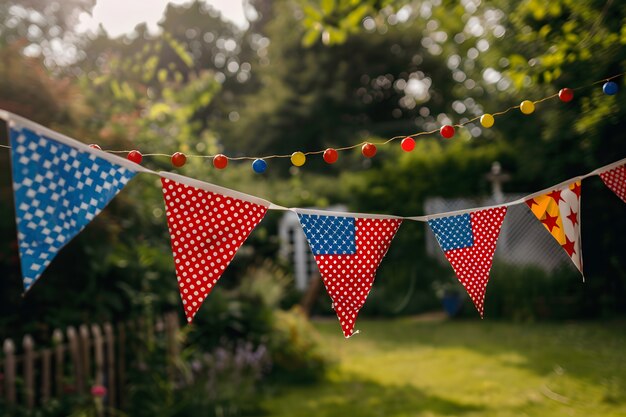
<point x="610" y="88"/>
<point x="259" y="166"/>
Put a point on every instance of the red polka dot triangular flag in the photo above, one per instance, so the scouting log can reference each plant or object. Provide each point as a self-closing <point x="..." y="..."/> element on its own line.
<point x="348" y="251"/>
<point x="615" y="179"/>
<point x="469" y="241"/>
<point x="207" y="225"/>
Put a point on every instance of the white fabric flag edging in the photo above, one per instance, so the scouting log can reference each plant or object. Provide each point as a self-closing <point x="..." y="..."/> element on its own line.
<point x="214" y="188"/>
<point x="15" y="121"/>
<point x="523" y="199"/>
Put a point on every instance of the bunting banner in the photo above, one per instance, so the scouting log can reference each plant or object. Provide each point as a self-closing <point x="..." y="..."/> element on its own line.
<point x="207" y="225"/>
<point x="615" y="179"/>
<point x="348" y="251"/>
<point x="59" y="188"/>
<point x="559" y="212"/>
<point x="61" y="184"/>
<point x="468" y="241"/>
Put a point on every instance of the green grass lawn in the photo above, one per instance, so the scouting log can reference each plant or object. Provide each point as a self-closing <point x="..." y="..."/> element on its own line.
<point x="411" y="368"/>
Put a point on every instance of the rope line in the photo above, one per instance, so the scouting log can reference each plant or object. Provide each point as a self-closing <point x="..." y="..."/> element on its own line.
<point x="393" y="139"/>
<point x="14" y="119"/>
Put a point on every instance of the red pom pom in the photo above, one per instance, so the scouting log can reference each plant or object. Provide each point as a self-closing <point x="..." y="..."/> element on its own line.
<point x="179" y="159"/>
<point x="566" y="94"/>
<point x="95" y="146"/>
<point x="330" y="156"/>
<point x="368" y="150"/>
<point x="408" y="144"/>
<point x="135" y="156"/>
<point x="220" y="161"/>
<point x="447" y="131"/>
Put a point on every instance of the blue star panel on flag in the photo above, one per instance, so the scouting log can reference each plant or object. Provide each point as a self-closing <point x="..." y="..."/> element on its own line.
<point x="329" y="235"/>
<point x="454" y="232"/>
<point x="348" y="251"/>
<point x="469" y="242"/>
<point x="58" y="191"/>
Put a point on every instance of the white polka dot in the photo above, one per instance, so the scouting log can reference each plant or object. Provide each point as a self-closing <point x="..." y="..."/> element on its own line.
<point x="210" y="247"/>
<point x="349" y="278"/>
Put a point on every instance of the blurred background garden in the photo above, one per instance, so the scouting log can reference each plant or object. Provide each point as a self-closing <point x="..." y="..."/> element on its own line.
<point x="263" y="77"/>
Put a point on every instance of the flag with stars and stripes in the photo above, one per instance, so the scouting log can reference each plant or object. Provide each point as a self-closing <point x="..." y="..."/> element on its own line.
<point x="559" y="212"/>
<point x="348" y="251"/>
<point x="468" y="241"/>
<point x="59" y="189"/>
<point x="615" y="179"/>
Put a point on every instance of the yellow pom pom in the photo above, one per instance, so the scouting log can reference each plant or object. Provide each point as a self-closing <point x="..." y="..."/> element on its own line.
<point x="298" y="158"/>
<point x="487" y="120"/>
<point x="527" y="107"/>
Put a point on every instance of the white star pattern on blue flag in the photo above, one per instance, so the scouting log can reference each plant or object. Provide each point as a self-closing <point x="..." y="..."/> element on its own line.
<point x="329" y="235"/>
<point x="58" y="190"/>
<point x="454" y="232"/>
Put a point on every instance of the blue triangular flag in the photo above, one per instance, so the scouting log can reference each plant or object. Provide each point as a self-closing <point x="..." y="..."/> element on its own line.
<point x="58" y="190"/>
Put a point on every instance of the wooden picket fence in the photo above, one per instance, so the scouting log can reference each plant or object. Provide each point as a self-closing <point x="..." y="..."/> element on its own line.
<point x="79" y="358"/>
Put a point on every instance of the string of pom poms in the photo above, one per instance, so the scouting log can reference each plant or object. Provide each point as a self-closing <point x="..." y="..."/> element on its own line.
<point x="368" y="148"/>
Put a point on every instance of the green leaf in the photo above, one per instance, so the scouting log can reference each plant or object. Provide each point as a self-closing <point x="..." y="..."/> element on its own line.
<point x="115" y="88"/>
<point x="328" y="6"/>
<point x="150" y="67"/>
<point x="517" y="61"/>
<point x="554" y="8"/>
<point x="313" y="13"/>
<point x="100" y="80"/>
<point x="335" y="36"/>
<point x="547" y="76"/>
<point x="354" y="17"/>
<point x="159" y="109"/>
<point x="353" y="3"/>
<point x="129" y="93"/>
<point x="544" y="31"/>
<point x="162" y="75"/>
<point x="179" y="49"/>
<point x="310" y="37"/>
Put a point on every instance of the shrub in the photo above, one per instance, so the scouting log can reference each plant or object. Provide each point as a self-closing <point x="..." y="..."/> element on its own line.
<point x="529" y="293"/>
<point x="294" y="348"/>
<point x="224" y="382"/>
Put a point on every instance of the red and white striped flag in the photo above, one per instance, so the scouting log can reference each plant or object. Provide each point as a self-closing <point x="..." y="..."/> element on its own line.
<point x="207" y="225"/>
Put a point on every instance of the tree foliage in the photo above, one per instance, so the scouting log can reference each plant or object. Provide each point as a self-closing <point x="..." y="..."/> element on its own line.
<point x="509" y="51"/>
<point x="307" y="75"/>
